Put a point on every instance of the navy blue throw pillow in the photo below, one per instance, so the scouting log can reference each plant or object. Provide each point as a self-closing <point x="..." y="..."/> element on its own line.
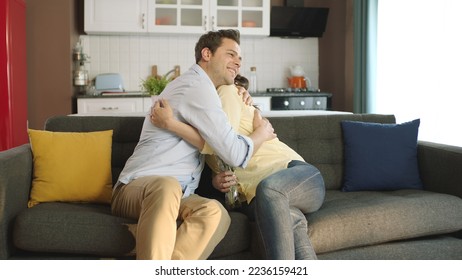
<point x="380" y="156"/>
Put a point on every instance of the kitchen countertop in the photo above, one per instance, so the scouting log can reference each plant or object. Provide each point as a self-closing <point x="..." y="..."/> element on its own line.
<point x="281" y="113"/>
<point x="258" y="94"/>
<point x="292" y="94"/>
<point x="115" y="95"/>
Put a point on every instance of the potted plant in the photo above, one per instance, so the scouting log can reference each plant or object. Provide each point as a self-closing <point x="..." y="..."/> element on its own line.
<point x="154" y="85"/>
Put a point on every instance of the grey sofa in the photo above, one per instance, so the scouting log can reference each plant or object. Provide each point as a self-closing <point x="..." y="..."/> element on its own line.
<point x="401" y="224"/>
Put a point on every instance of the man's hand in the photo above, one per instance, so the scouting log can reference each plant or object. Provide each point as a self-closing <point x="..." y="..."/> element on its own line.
<point x="161" y="114"/>
<point x="224" y="180"/>
<point x="246" y="98"/>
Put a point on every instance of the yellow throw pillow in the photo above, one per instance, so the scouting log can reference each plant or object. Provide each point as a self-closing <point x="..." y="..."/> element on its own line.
<point x="71" y="166"/>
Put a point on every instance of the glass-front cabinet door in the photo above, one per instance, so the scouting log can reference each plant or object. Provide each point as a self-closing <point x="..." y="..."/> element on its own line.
<point x="178" y="16"/>
<point x="251" y="17"/>
<point x="115" y="16"/>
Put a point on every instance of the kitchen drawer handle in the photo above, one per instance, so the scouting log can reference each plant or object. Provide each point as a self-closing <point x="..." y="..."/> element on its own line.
<point x="110" y="108"/>
<point x="142" y="20"/>
<point x="214" y="27"/>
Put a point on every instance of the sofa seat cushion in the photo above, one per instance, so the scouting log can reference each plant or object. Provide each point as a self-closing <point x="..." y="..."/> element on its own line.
<point x="425" y="248"/>
<point x="353" y="219"/>
<point x="73" y="228"/>
<point x="91" y="229"/>
<point x="237" y="239"/>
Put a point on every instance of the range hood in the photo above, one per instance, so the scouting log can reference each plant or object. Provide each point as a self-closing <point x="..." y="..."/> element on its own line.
<point x="298" y="22"/>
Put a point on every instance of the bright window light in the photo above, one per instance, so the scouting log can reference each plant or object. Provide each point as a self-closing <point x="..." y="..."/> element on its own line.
<point x="419" y="66"/>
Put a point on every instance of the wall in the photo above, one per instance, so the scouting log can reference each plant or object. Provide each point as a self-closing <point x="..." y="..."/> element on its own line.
<point x="336" y="53"/>
<point x="53" y="27"/>
<point x="133" y="57"/>
<point x="51" y="33"/>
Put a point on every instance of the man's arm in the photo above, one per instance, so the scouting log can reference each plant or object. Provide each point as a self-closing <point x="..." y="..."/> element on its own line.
<point x="162" y="116"/>
<point x="233" y="106"/>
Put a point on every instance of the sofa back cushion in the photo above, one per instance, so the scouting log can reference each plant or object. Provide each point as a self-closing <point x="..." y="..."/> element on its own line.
<point x="319" y="140"/>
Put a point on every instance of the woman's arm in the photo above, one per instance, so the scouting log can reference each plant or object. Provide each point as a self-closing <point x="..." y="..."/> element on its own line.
<point x="162" y="116"/>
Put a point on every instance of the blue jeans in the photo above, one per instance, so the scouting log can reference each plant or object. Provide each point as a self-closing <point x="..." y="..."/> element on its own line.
<point x="279" y="207"/>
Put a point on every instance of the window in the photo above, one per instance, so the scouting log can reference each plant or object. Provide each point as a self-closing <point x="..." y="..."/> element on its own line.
<point x="419" y="61"/>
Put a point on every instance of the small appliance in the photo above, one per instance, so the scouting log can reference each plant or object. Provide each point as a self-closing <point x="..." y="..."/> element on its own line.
<point x="111" y="82"/>
<point x="298" y="78"/>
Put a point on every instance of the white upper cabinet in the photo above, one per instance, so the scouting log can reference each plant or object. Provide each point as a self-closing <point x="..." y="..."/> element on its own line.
<point x="115" y="16"/>
<point x="178" y="16"/>
<point x="251" y="17"/>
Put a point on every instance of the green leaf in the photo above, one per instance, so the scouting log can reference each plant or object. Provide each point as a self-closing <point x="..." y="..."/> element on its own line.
<point x="154" y="85"/>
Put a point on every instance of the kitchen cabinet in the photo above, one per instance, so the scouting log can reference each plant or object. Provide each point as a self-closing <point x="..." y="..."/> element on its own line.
<point x="113" y="105"/>
<point x="134" y="105"/>
<point x="262" y="102"/>
<point x="250" y="17"/>
<point x="115" y="16"/>
<point x="13" y="74"/>
<point x="139" y="105"/>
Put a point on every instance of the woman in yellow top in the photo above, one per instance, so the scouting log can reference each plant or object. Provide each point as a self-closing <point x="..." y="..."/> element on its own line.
<point x="278" y="185"/>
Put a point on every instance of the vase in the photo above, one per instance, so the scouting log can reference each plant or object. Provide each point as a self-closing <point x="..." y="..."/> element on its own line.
<point x="232" y="197"/>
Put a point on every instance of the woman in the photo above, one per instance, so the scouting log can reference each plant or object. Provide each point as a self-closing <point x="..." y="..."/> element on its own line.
<point x="279" y="187"/>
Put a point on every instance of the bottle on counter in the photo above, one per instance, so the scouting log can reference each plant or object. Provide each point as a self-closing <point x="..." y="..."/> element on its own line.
<point x="253" y="80"/>
<point x="81" y="76"/>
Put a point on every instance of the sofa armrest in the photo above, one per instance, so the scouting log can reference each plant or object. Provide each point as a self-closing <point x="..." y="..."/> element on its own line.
<point x="440" y="167"/>
<point x="15" y="182"/>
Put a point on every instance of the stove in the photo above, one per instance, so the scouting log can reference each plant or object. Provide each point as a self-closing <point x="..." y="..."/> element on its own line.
<point x="291" y="90"/>
<point x="298" y="99"/>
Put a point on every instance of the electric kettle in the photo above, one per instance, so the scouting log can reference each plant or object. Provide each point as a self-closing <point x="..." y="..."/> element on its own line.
<point x="297" y="78"/>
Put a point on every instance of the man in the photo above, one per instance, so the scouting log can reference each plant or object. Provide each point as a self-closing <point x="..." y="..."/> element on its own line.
<point x="158" y="181"/>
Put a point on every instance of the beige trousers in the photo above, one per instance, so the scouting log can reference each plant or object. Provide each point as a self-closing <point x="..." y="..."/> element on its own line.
<point x="156" y="201"/>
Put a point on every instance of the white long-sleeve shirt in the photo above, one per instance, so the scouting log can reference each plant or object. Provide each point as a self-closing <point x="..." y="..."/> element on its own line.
<point x="195" y="101"/>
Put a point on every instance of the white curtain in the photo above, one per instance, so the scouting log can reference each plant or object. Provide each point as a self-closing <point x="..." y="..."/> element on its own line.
<point x="419" y="60"/>
<point x="365" y="55"/>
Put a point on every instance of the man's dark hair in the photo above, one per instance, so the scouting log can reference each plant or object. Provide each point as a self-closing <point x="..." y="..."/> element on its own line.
<point x="213" y="39"/>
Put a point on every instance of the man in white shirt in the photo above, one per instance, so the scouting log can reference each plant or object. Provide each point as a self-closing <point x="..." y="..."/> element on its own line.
<point x="158" y="181"/>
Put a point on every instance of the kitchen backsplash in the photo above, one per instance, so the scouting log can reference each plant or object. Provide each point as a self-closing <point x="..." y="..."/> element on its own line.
<point x="134" y="56"/>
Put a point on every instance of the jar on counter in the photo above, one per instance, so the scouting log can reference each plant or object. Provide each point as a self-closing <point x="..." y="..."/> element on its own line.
<point x="253" y="80"/>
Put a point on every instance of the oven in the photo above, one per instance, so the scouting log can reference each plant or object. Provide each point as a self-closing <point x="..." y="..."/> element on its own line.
<point x="298" y="99"/>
